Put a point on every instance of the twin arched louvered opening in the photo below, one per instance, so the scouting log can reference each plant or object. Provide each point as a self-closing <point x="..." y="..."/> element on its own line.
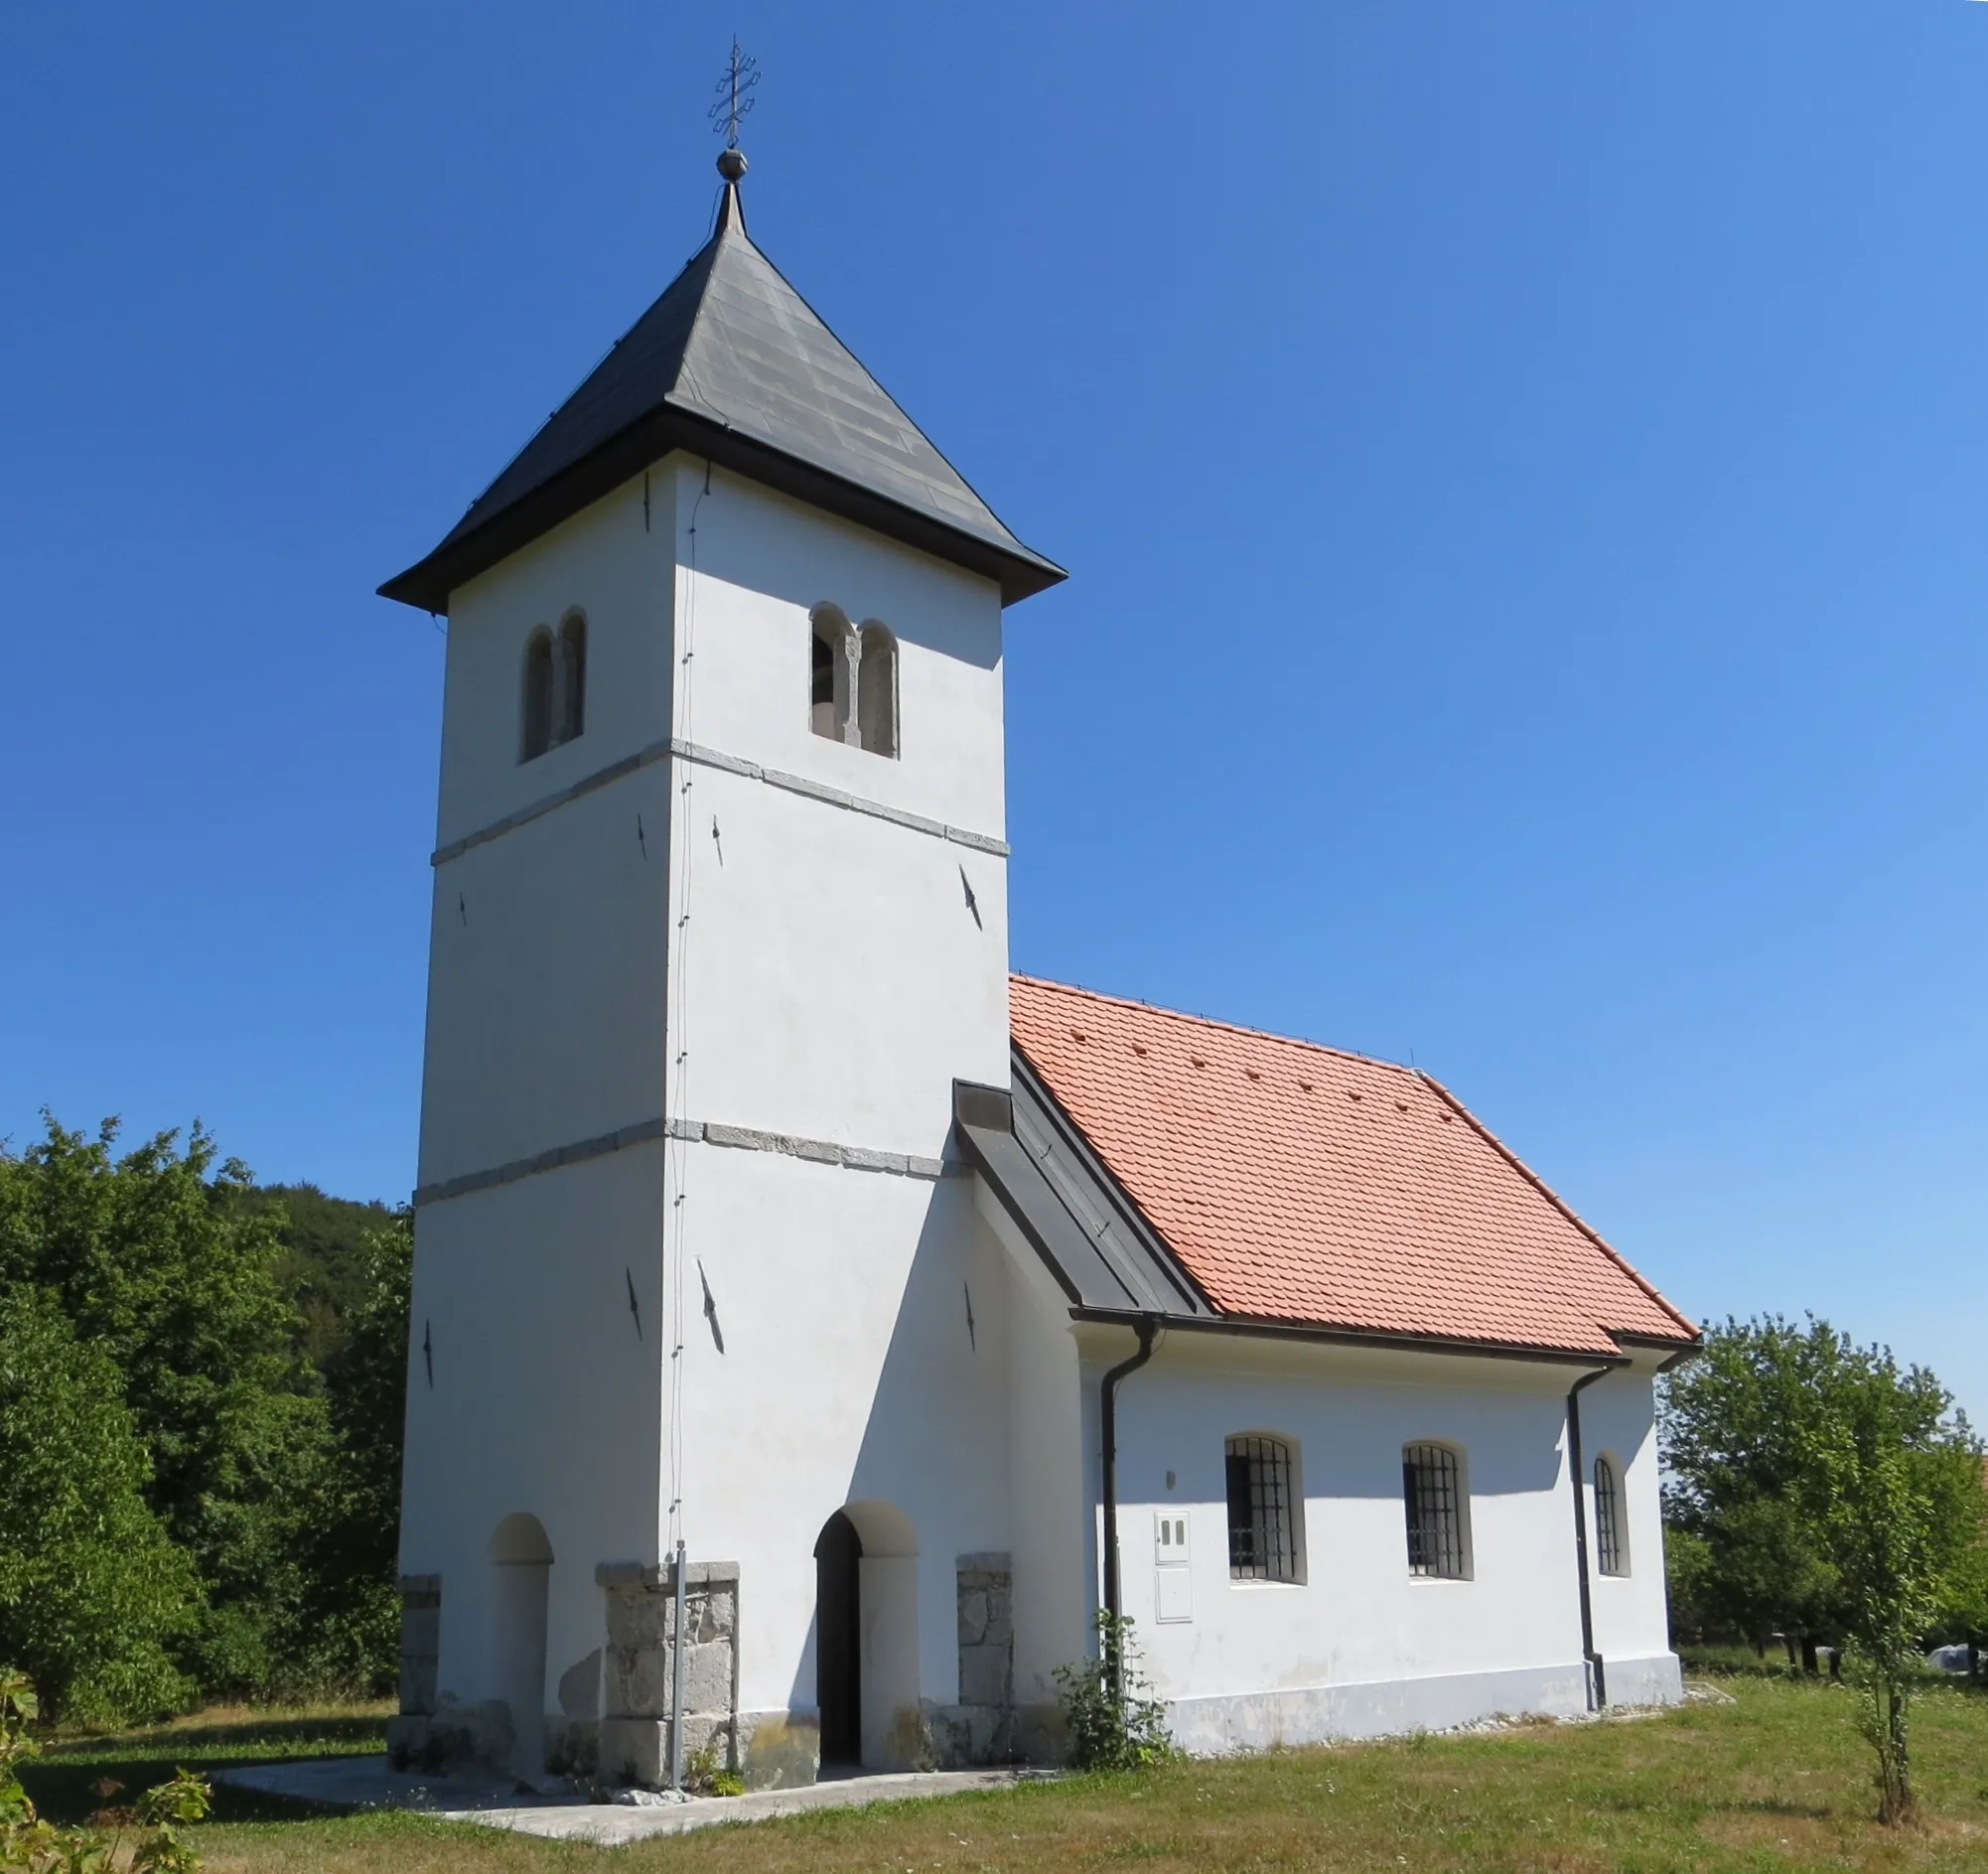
<point x="852" y="681"/>
<point x="554" y="706"/>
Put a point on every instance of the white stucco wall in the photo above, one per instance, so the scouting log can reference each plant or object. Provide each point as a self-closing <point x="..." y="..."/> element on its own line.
<point x="1632" y="1611"/>
<point x="620" y="572"/>
<point x="811" y="971"/>
<point x="1362" y="1644"/>
<point x="543" y="1401"/>
<point x="848" y="1377"/>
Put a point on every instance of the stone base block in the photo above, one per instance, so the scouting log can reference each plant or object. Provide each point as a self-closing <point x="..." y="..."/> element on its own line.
<point x="966" y="1736"/>
<point x="778" y="1750"/>
<point x="572" y="1745"/>
<point x="637" y="1750"/>
<point x="452" y="1734"/>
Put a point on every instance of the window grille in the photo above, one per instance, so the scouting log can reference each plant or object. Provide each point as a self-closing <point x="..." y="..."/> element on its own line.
<point x="1262" y="1531"/>
<point x="1607" y="1520"/>
<point x="1431" y="1490"/>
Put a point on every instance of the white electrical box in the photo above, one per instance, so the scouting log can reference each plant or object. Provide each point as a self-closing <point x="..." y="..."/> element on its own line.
<point x="1173" y="1580"/>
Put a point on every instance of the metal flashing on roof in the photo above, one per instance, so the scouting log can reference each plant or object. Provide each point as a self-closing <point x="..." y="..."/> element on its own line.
<point x="733" y="366"/>
<point x="1093" y="1239"/>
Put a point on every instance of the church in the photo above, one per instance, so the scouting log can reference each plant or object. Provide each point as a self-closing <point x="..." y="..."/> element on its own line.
<point x="815" y="1325"/>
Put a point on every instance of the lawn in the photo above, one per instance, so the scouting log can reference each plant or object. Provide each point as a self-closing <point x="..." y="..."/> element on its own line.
<point x="1780" y="1779"/>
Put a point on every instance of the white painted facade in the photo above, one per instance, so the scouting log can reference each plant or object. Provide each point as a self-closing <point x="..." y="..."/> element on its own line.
<point x="695" y="1019"/>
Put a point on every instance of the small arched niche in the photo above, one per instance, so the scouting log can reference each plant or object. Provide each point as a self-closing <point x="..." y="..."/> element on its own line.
<point x="535" y="707"/>
<point x="520" y="1556"/>
<point x="877" y="690"/>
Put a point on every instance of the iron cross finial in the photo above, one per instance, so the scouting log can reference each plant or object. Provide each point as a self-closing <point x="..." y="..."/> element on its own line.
<point x="735" y="97"/>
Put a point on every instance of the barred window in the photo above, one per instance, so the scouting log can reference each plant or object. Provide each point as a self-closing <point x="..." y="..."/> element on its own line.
<point x="1263" y="1538"/>
<point x="1432" y="1493"/>
<point x="1611" y="1553"/>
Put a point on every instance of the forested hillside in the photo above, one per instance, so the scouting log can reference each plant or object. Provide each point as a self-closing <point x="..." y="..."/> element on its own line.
<point x="200" y="1394"/>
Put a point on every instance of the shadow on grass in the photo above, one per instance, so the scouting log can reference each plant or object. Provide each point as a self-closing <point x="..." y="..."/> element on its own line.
<point x="64" y="1782"/>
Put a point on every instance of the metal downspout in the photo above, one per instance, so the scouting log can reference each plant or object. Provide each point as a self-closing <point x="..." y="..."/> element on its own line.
<point x="1109" y="1414"/>
<point x="1598" y="1686"/>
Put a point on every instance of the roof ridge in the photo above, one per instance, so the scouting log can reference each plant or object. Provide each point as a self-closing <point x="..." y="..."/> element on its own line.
<point x="1215" y="1021"/>
<point x="1560" y="1203"/>
<point x="586" y="378"/>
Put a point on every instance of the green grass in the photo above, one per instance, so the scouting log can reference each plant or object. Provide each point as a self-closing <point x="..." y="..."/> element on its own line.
<point x="1777" y="1780"/>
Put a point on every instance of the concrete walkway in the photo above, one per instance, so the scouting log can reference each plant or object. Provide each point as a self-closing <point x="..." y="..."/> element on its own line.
<point x="560" y="1811"/>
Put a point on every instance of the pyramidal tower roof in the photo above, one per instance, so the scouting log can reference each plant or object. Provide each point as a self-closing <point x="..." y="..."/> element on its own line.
<point x="732" y="365"/>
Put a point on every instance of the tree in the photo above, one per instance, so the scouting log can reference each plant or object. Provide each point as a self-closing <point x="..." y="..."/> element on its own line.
<point x="158" y="1264"/>
<point x="1731" y="1429"/>
<point x="1893" y="1479"/>
<point x="91" y="1589"/>
<point x="1819" y="1487"/>
<point x="359" y="1526"/>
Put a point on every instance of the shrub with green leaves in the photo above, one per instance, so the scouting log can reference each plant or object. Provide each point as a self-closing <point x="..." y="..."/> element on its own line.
<point x="161" y="1266"/>
<point x="1114" y="1721"/>
<point x="92" y="1591"/>
<point x="30" y="1846"/>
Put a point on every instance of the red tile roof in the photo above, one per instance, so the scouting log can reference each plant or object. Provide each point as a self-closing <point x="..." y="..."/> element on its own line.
<point x="1299" y="1183"/>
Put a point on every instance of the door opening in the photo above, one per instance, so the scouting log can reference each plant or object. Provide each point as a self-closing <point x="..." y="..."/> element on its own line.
<point x="838" y="1639"/>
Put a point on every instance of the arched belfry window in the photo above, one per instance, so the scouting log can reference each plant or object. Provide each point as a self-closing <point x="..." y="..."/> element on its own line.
<point x="535" y="735"/>
<point x="1436" y="1498"/>
<point x="831" y="694"/>
<point x="1265" y="1529"/>
<point x="1611" y="1553"/>
<point x="877" y="690"/>
<point x="571" y="686"/>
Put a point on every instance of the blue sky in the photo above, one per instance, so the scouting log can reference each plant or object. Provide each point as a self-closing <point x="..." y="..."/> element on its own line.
<point x="1521" y="468"/>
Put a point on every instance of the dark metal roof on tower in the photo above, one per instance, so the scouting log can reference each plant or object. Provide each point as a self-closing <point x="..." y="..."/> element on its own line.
<point x="733" y="366"/>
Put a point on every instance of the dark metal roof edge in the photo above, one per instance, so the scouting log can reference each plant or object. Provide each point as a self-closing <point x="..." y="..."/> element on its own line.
<point x="1142" y="1227"/>
<point x="1253" y="1327"/>
<point x="1017" y="1210"/>
<point x="428" y="583"/>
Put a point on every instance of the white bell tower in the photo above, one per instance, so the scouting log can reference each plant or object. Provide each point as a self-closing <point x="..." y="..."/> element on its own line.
<point x="720" y="916"/>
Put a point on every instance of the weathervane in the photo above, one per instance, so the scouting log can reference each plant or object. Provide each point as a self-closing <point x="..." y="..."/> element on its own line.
<point x="735" y="100"/>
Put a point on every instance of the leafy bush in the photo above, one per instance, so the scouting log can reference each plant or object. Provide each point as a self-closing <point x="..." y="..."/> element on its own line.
<point x="156" y="1266"/>
<point x="33" y="1846"/>
<point x="1114" y="1721"/>
<point x="92" y="1592"/>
